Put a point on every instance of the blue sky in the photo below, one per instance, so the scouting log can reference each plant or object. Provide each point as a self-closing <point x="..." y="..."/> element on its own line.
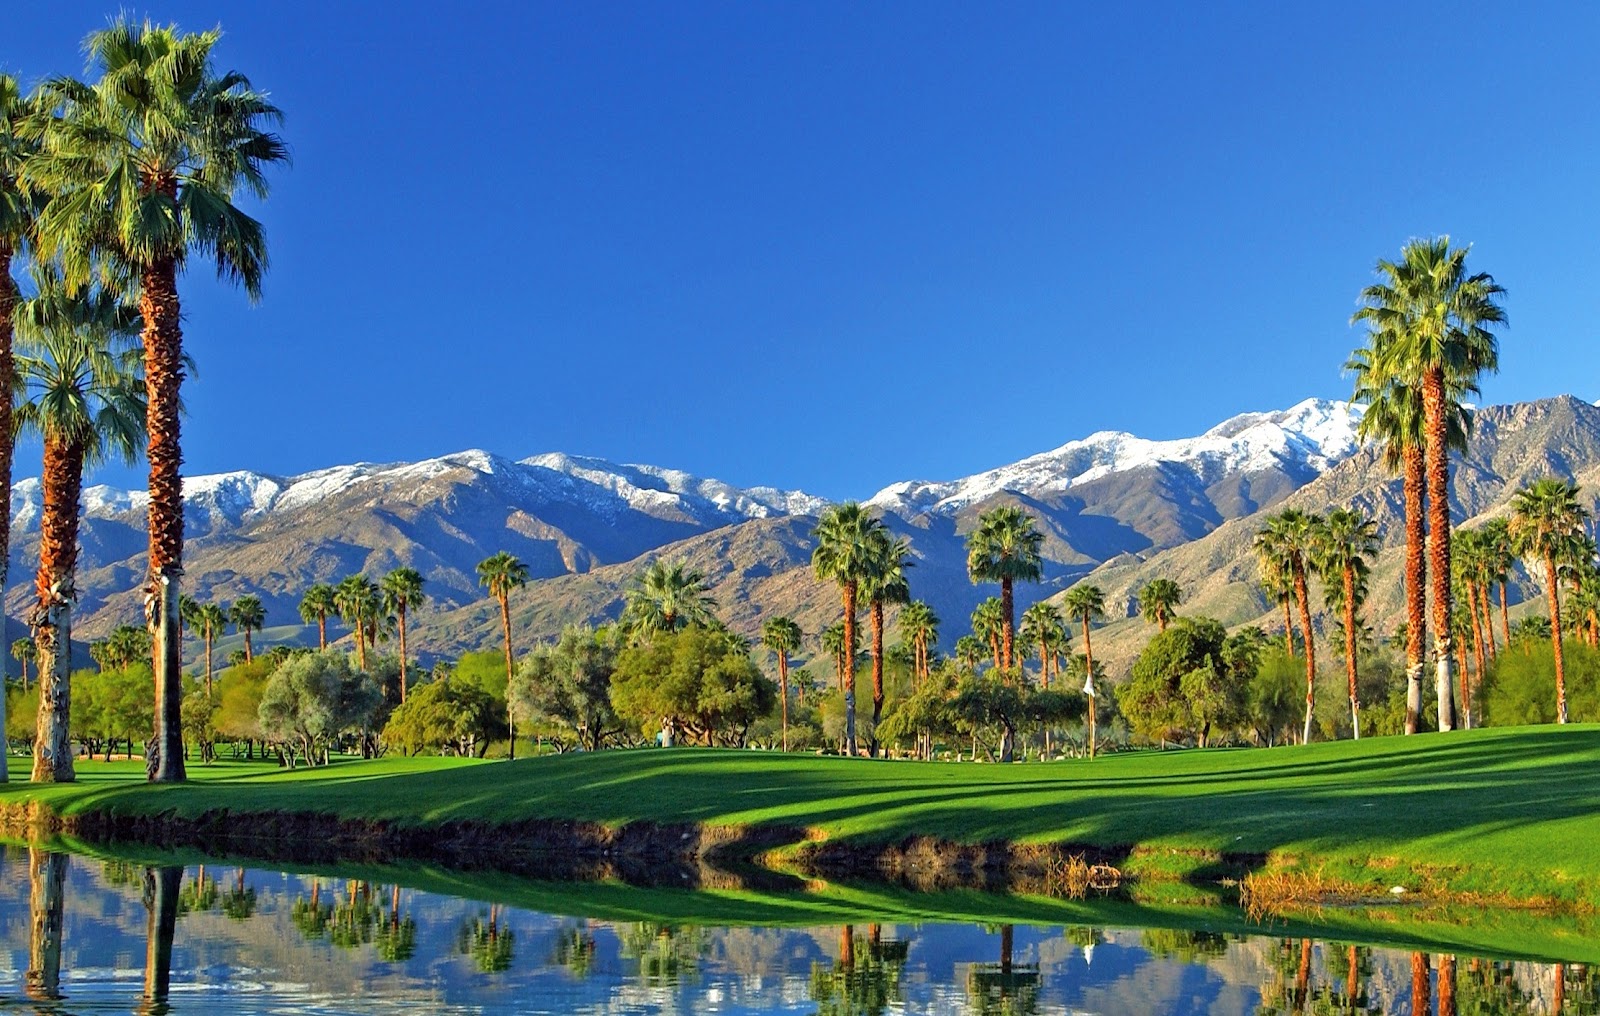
<point x="831" y="246"/>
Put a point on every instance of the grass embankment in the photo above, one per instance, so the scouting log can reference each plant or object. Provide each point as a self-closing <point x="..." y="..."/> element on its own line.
<point x="1513" y="815"/>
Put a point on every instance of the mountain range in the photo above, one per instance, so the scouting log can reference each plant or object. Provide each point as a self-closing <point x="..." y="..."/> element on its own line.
<point x="1113" y="505"/>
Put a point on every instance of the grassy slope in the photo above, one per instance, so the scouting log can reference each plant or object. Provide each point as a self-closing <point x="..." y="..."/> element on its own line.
<point x="1513" y="811"/>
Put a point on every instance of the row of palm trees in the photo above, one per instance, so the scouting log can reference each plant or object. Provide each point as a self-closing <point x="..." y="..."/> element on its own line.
<point x="106" y="190"/>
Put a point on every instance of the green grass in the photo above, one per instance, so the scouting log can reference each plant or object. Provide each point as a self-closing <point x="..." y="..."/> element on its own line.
<point x="1512" y="813"/>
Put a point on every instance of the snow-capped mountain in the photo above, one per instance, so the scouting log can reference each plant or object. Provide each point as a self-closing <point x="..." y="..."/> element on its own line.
<point x="1301" y="441"/>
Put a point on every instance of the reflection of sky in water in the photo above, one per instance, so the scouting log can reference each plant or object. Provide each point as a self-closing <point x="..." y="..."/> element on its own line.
<point x="351" y="953"/>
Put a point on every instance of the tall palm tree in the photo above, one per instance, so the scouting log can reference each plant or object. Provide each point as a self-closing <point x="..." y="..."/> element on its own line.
<point x="318" y="604"/>
<point x="359" y="602"/>
<point x="1158" y="601"/>
<point x="920" y="626"/>
<point x="1547" y="525"/>
<point x="1087" y="603"/>
<point x="1281" y="548"/>
<point x="1004" y="548"/>
<point x="886" y="583"/>
<point x="782" y="636"/>
<point x="144" y="166"/>
<point x="82" y="394"/>
<point x="209" y="621"/>
<point x="247" y="615"/>
<point x="1470" y="561"/>
<point x="989" y="624"/>
<point x="1498" y="558"/>
<point x="844" y="555"/>
<point x="500" y="574"/>
<point x="402" y="590"/>
<point x="1042" y="626"/>
<point x="667" y="597"/>
<point x="1342" y="549"/>
<point x="1436" y="320"/>
<point x="832" y="641"/>
<point x="24" y="652"/>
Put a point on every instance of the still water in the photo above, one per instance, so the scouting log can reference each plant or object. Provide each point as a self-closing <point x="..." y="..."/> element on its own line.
<point x="84" y="935"/>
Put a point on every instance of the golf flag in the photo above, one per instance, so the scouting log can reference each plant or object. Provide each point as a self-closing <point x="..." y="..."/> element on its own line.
<point x="1088" y="686"/>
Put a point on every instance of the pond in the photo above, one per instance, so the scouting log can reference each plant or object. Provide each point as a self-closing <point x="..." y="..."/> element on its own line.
<point x="90" y="934"/>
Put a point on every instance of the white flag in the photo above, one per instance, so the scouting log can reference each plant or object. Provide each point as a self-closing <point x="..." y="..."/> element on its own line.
<point x="1088" y="686"/>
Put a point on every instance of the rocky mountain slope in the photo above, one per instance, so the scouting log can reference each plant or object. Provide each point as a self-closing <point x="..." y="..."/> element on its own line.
<point x="1112" y="504"/>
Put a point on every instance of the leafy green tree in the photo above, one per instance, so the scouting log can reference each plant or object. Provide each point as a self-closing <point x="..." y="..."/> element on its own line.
<point x="1004" y="548"/>
<point x="1042" y="626"/>
<point x="1274" y="696"/>
<point x="81" y="392"/>
<point x="667" y="597"/>
<point x="697" y="682"/>
<point x="319" y="603"/>
<point x="1158" y="601"/>
<point x="1282" y="549"/>
<point x="500" y="574"/>
<point x="1516" y="688"/>
<point x="781" y="635"/>
<point x="402" y="590"/>
<point x="1190" y="680"/>
<point x="451" y="714"/>
<point x="844" y="555"/>
<point x="247" y="615"/>
<point x="1437" y="324"/>
<point x="241" y="688"/>
<point x="997" y="701"/>
<point x="569" y="683"/>
<point x="144" y="166"/>
<point x="110" y="705"/>
<point x="1341" y="552"/>
<point x="885" y="584"/>
<point x="1547" y="525"/>
<point x="312" y="699"/>
<point x="200" y="707"/>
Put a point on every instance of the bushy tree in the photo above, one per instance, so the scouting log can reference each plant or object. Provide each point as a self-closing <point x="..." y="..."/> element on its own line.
<point x="569" y="684"/>
<point x="1516" y="686"/>
<point x="312" y="699"/>
<point x="239" y="692"/>
<point x="448" y="715"/>
<point x="111" y="705"/>
<point x="697" y="681"/>
<point x="1191" y="680"/>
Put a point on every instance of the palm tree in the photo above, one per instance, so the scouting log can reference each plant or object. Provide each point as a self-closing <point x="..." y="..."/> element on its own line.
<point x="669" y="596"/>
<point x="1471" y="564"/>
<point x="988" y="624"/>
<point x="144" y="166"/>
<point x="845" y="554"/>
<point x="359" y="602"/>
<point x="782" y="636"/>
<point x="320" y="601"/>
<point x="886" y="583"/>
<point x="1436" y="322"/>
<point x="247" y="615"/>
<point x="1158" y="601"/>
<point x="1281" y="549"/>
<point x="1547" y="525"/>
<point x="1498" y="559"/>
<point x="832" y="641"/>
<point x="920" y="625"/>
<point x="969" y="650"/>
<point x="500" y="574"/>
<point x="1004" y="548"/>
<point x="1342" y="549"/>
<point x="82" y="394"/>
<point x="1042" y="626"/>
<point x="24" y="652"/>
<point x="1085" y="603"/>
<point x="210" y="618"/>
<point x="402" y="590"/>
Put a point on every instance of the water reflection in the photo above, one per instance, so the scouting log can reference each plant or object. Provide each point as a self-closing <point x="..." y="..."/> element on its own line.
<point x="245" y="941"/>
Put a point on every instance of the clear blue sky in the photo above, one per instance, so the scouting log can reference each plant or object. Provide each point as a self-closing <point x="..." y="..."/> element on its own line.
<point x="835" y="245"/>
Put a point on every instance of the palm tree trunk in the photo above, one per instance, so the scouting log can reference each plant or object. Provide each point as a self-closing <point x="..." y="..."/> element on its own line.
<point x="8" y="370"/>
<point x="1288" y="628"/>
<point x="877" y="674"/>
<point x="322" y="632"/>
<point x="1302" y="596"/>
<point x="511" y="715"/>
<point x="361" y="645"/>
<point x="163" y="374"/>
<point x="208" y="660"/>
<point x="1554" y="595"/>
<point x="1350" y="648"/>
<point x="52" y="617"/>
<point x="1044" y="663"/>
<point x="848" y="671"/>
<point x="1447" y="985"/>
<point x="249" y="652"/>
<point x="47" y="877"/>
<point x="1415" y="485"/>
<point x="783" y="689"/>
<point x="1475" y="600"/>
<point x="1421" y="984"/>
<point x="1352" y="977"/>
<point x="161" y="925"/>
<point x="1505" y="615"/>
<point x="1438" y="471"/>
<point x="1008" y="624"/>
<point x="1484" y="601"/>
<point x="402" y="618"/>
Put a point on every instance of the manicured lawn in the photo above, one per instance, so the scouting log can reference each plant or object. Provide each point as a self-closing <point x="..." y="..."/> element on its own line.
<point x="1513" y="811"/>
